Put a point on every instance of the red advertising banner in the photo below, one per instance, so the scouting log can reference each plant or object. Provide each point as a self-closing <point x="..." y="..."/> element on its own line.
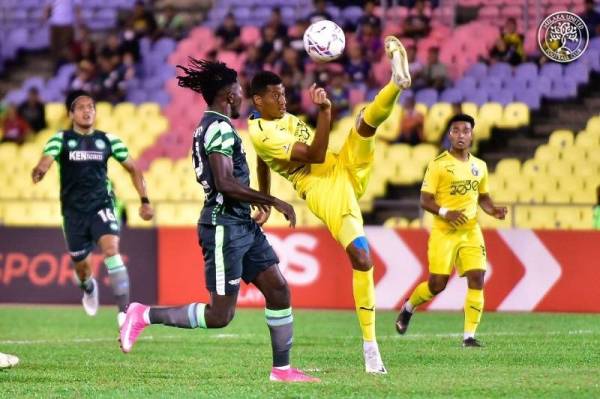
<point x="527" y="270"/>
<point x="36" y="268"/>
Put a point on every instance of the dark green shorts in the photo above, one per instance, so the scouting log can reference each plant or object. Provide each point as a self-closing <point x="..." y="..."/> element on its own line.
<point x="234" y="252"/>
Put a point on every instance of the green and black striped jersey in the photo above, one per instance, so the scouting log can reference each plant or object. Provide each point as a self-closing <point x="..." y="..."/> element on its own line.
<point x="82" y="159"/>
<point x="216" y="135"/>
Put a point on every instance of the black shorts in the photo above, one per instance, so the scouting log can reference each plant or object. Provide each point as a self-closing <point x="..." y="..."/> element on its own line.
<point x="234" y="252"/>
<point x="83" y="230"/>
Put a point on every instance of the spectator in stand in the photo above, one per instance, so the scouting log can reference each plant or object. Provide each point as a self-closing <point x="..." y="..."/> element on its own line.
<point x="83" y="48"/>
<point x="252" y="65"/>
<point x="416" y="68"/>
<point x="63" y="16"/>
<point x="357" y="67"/>
<point x="371" y="42"/>
<point x="293" y="94"/>
<point x="83" y="79"/>
<point x="33" y="111"/>
<point x="369" y="17"/>
<point x="591" y="17"/>
<point x="296" y="35"/>
<point x="435" y="73"/>
<point x="14" y="127"/>
<point x="171" y="23"/>
<point x="109" y="82"/>
<point x="513" y="42"/>
<point x="142" y="21"/>
<point x="411" y="124"/>
<point x="275" y="22"/>
<point x="597" y="210"/>
<point x="229" y="33"/>
<point x="112" y="46"/>
<point x="270" y="46"/>
<point x="290" y="63"/>
<point x="338" y="94"/>
<point x="417" y="25"/>
<point x="320" y="13"/>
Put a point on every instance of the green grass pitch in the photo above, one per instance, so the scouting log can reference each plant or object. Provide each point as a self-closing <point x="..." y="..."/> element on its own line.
<point x="64" y="353"/>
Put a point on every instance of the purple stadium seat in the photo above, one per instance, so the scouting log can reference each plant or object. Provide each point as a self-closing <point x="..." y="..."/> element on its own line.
<point x="527" y="71"/>
<point x="500" y="69"/>
<point x="427" y="96"/>
<point x="241" y="13"/>
<point x="578" y="71"/>
<point x="552" y="70"/>
<point x="478" y="96"/>
<point x="563" y="89"/>
<point x="491" y="84"/>
<point x="502" y="96"/>
<point x="543" y="85"/>
<point x="352" y="14"/>
<point x="531" y="97"/>
<point x="477" y="71"/>
<point x="405" y="94"/>
<point x="137" y="96"/>
<point x="591" y="57"/>
<point x="451" y="96"/>
<point x="467" y="83"/>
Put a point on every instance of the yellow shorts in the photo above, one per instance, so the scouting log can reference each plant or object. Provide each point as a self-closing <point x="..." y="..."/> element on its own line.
<point x="464" y="249"/>
<point x="338" y="184"/>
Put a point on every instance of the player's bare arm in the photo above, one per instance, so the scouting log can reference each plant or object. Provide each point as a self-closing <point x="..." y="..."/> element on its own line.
<point x="454" y="217"/>
<point x="264" y="186"/>
<point x="146" y="211"/>
<point x="40" y="170"/>
<point x="486" y="203"/>
<point x="316" y="151"/>
<point x="226" y="184"/>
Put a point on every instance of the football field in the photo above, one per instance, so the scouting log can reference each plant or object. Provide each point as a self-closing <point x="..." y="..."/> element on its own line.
<point x="64" y="353"/>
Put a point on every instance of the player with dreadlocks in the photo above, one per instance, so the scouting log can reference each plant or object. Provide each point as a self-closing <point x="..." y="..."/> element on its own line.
<point x="233" y="245"/>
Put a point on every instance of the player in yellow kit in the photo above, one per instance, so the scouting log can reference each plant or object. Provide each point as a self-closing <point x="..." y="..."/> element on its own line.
<point x="330" y="183"/>
<point x="455" y="184"/>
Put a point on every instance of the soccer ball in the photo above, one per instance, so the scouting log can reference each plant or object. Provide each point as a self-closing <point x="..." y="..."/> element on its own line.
<point x="8" y="360"/>
<point x="324" y="41"/>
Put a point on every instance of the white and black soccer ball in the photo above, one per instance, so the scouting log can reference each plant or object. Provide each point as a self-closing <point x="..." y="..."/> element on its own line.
<point x="324" y="41"/>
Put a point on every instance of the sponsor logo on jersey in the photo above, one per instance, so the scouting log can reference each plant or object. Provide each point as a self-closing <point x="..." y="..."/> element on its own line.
<point x="114" y="226"/>
<point x="72" y="143"/>
<point x="86" y="156"/>
<point x="235" y="281"/>
<point x="100" y="144"/>
<point x="474" y="170"/>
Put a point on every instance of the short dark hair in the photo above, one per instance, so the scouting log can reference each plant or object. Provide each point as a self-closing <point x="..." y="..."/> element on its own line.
<point x="261" y="80"/>
<point x="73" y="96"/>
<point x="206" y="77"/>
<point x="461" y="118"/>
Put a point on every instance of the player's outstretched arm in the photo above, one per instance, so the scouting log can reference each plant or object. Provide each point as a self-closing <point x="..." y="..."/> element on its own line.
<point x="264" y="186"/>
<point x="222" y="170"/>
<point x="486" y="203"/>
<point x="455" y="218"/>
<point x="40" y="170"/>
<point x="137" y="177"/>
<point x="316" y="151"/>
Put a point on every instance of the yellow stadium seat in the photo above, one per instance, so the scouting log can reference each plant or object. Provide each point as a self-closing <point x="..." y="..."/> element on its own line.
<point x="470" y="108"/>
<point x="567" y="217"/>
<point x="586" y="218"/>
<point x="531" y="197"/>
<point x="517" y="184"/>
<point x="533" y="168"/>
<point x="390" y="128"/>
<point x="559" y="169"/>
<point x="593" y="125"/>
<point x="557" y="197"/>
<point x="396" y="222"/>
<point x="422" y="108"/>
<point x="56" y="113"/>
<point x="573" y="154"/>
<point x="546" y="153"/>
<point x="542" y="217"/>
<point x="487" y="221"/>
<point x="124" y="110"/>
<point x="561" y="139"/>
<point x="423" y="153"/>
<point x="415" y="224"/>
<point x="504" y="196"/>
<point x="514" y="116"/>
<point x="147" y="110"/>
<point x="436" y="121"/>
<point x="490" y="113"/>
<point x="586" y="140"/>
<point x="509" y="167"/>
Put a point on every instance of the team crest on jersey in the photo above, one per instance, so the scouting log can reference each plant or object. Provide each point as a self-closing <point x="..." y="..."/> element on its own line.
<point x="72" y="143"/>
<point x="100" y="144"/>
<point x="474" y="170"/>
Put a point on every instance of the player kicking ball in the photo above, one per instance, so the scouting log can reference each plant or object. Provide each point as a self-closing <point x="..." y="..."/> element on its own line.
<point x="82" y="153"/>
<point x="455" y="183"/>
<point x="330" y="183"/>
<point x="233" y="244"/>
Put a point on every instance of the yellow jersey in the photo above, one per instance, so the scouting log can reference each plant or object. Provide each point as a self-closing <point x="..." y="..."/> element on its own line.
<point x="273" y="141"/>
<point x="456" y="185"/>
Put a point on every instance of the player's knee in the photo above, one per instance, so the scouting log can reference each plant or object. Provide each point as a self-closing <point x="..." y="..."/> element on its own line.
<point x="110" y="250"/>
<point x="223" y="319"/>
<point x="280" y="296"/>
<point x="437" y="286"/>
<point x="360" y="255"/>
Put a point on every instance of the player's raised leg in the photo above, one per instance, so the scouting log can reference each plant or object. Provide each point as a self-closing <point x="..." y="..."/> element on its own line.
<point x="278" y="314"/>
<point x="117" y="272"/>
<point x="382" y="105"/>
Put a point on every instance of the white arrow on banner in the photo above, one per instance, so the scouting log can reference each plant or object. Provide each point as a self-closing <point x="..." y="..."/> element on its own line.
<point x="453" y="297"/>
<point x="402" y="268"/>
<point x="542" y="270"/>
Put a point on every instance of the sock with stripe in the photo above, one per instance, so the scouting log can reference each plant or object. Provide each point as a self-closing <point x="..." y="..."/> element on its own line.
<point x="363" y="289"/>
<point x="473" y="311"/>
<point x="188" y="316"/>
<point x="381" y="107"/>
<point x="281" y="327"/>
<point x="420" y="295"/>
<point x="119" y="280"/>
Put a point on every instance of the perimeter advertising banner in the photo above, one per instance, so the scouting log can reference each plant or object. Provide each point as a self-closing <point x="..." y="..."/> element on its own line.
<point x="527" y="270"/>
<point x="36" y="268"/>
